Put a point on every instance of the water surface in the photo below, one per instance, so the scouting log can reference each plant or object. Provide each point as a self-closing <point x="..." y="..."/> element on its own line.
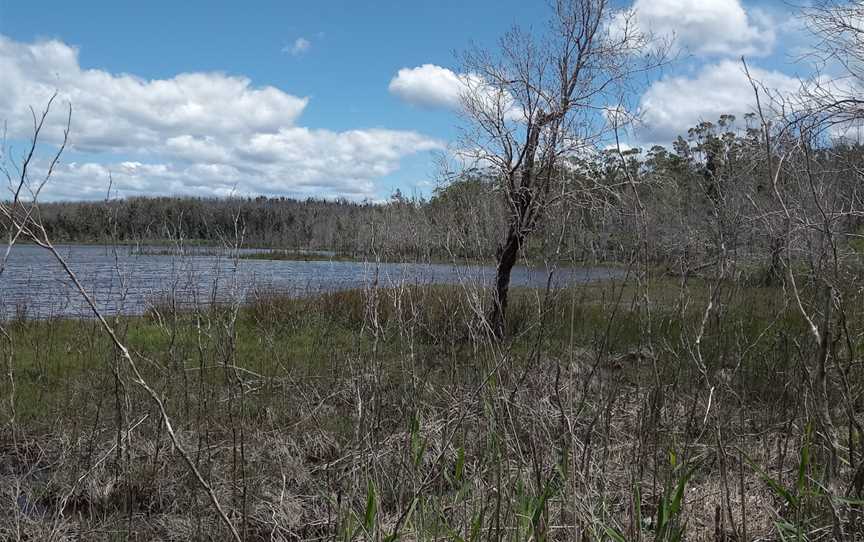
<point x="128" y="280"/>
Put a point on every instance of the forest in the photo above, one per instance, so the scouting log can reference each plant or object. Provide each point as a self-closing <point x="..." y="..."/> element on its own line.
<point x="680" y="186"/>
<point x="711" y="388"/>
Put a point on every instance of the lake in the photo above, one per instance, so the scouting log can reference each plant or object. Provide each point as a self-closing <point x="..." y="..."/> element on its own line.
<point x="126" y="280"/>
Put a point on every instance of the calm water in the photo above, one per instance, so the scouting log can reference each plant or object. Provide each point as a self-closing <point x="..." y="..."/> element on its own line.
<point x="122" y="280"/>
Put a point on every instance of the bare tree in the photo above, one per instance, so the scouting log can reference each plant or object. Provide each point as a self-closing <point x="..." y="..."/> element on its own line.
<point x="22" y="187"/>
<point x="22" y="220"/>
<point x="833" y="93"/>
<point x="537" y="100"/>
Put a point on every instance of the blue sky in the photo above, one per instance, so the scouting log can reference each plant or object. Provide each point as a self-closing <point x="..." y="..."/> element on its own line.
<point x="324" y="99"/>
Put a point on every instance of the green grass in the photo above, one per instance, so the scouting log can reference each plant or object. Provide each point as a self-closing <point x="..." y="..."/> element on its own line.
<point x="300" y="256"/>
<point x="308" y="336"/>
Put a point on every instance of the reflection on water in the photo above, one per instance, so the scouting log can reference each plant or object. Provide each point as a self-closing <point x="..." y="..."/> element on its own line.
<point x="126" y="280"/>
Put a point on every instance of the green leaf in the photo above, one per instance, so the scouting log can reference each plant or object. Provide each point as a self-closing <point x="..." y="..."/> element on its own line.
<point x="775" y="486"/>
<point x="476" y="524"/>
<point x="371" y="509"/>
<point x="541" y="505"/>
<point x="418" y="443"/>
<point x="805" y="461"/>
<point x="675" y="507"/>
<point x="661" y="517"/>
<point x="614" y="534"/>
<point x="848" y="501"/>
<point x="460" y="463"/>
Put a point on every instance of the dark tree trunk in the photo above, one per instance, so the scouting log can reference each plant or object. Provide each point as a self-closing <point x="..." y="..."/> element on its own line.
<point x="507" y="256"/>
<point x="774" y="273"/>
<point x="523" y="206"/>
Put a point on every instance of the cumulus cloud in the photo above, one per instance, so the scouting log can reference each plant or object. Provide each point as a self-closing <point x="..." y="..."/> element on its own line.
<point x="119" y="112"/>
<point x="708" y="27"/>
<point x="300" y="46"/>
<point x="432" y="86"/>
<point x="672" y="105"/>
<point x="195" y="133"/>
<point x="428" y="86"/>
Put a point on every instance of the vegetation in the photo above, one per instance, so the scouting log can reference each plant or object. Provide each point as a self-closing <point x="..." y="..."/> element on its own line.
<point x="527" y="106"/>
<point x="369" y="413"/>
<point x="713" y="391"/>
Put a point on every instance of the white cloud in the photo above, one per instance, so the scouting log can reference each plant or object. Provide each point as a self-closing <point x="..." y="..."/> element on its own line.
<point x="195" y="133"/>
<point x="432" y="86"/>
<point x="121" y="111"/>
<point x="708" y="27"/>
<point x="77" y="181"/>
<point x="428" y="86"/>
<point x="672" y="105"/>
<point x="300" y="46"/>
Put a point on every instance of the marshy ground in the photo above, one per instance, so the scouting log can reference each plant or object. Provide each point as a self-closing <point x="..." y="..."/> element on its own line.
<point x="392" y="414"/>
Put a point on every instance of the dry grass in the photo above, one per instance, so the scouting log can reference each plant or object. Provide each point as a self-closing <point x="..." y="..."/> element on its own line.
<point x="367" y="414"/>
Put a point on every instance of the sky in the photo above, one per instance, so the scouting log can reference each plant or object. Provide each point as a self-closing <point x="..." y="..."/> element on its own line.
<point x="330" y="99"/>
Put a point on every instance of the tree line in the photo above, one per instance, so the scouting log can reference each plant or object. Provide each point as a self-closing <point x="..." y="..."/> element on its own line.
<point x="702" y="195"/>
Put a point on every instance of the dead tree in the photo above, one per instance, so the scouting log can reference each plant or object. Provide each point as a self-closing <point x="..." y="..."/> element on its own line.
<point x="539" y="99"/>
<point x="835" y="100"/>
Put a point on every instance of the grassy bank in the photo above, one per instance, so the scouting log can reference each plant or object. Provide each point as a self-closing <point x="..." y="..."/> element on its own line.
<point x="302" y="256"/>
<point x="612" y="412"/>
<point x="314" y="256"/>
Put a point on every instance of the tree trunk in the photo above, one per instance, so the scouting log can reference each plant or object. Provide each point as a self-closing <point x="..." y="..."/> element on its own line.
<point x="524" y="215"/>
<point x="507" y="256"/>
<point x="774" y="273"/>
